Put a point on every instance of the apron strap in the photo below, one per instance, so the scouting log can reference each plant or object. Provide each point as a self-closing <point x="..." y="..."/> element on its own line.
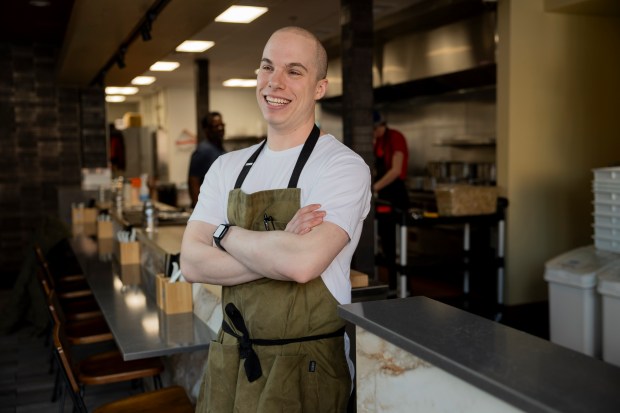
<point x="304" y="155"/>
<point x="248" y="165"/>
<point x="252" y="365"/>
<point x="299" y="165"/>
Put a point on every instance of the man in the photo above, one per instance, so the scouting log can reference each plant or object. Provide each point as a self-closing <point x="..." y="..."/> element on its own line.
<point x="391" y="158"/>
<point x="207" y="151"/>
<point x="284" y="268"/>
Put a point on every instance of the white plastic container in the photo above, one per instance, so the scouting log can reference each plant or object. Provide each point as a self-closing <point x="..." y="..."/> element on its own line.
<point x="609" y="288"/>
<point x="607" y="175"/>
<point x="574" y="305"/>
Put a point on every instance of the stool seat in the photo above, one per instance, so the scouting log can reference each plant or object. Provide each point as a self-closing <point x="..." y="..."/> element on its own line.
<point x="170" y="400"/>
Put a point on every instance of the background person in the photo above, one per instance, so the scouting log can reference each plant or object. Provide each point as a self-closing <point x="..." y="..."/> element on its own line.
<point x="207" y="151"/>
<point x="284" y="268"/>
<point x="391" y="158"/>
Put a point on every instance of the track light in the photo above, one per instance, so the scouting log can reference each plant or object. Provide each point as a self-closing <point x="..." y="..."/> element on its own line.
<point x="120" y="57"/>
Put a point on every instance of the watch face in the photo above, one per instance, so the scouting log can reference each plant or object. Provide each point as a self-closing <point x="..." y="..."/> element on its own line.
<point x="219" y="231"/>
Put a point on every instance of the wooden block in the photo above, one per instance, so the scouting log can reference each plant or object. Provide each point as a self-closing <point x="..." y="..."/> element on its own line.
<point x="358" y="279"/>
<point x="104" y="230"/>
<point x="129" y="253"/>
<point x="173" y="298"/>
<point x="130" y="274"/>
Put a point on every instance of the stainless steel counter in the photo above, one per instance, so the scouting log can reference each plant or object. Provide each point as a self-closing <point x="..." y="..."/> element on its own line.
<point x="139" y="327"/>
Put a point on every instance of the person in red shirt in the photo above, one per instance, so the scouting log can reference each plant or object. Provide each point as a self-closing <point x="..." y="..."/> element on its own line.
<point x="391" y="158"/>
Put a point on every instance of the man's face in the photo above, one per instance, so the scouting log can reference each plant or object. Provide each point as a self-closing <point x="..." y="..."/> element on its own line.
<point x="216" y="127"/>
<point x="287" y="84"/>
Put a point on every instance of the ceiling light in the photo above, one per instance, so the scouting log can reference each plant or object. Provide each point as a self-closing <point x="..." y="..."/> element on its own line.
<point x="115" y="98"/>
<point x="40" y="3"/>
<point x="164" y="66"/>
<point x="143" y="80"/>
<point x="241" y="14"/>
<point x="194" y="46"/>
<point x="116" y="90"/>
<point x="240" y="83"/>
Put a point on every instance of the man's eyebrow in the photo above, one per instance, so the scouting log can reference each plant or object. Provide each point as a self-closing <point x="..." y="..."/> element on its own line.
<point x="288" y="66"/>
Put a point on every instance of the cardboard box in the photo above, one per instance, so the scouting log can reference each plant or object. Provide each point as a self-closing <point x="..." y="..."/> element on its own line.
<point x="460" y="200"/>
<point x="132" y="120"/>
<point x="173" y="298"/>
<point x="358" y="279"/>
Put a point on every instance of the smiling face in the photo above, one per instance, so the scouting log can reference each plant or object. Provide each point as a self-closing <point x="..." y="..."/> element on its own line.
<point x="288" y="81"/>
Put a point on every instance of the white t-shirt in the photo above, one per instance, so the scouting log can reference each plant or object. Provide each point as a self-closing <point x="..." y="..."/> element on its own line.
<point x="334" y="176"/>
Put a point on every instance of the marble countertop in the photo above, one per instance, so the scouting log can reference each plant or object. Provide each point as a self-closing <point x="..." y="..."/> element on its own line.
<point x="525" y="371"/>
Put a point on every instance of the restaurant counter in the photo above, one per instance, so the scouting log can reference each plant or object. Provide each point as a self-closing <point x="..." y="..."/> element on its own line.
<point x="417" y="354"/>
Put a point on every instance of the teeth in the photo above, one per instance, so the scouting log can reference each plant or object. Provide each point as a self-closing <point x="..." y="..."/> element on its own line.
<point x="276" y="101"/>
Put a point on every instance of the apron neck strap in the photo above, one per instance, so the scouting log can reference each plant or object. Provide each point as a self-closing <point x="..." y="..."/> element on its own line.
<point x="299" y="165"/>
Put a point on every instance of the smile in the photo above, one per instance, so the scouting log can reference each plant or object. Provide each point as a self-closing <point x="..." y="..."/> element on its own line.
<point x="276" y="101"/>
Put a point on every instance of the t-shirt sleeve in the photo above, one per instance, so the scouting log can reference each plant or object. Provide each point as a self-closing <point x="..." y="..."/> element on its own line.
<point x="343" y="190"/>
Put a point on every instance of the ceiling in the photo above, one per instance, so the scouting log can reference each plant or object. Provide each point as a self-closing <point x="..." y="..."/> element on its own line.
<point x="89" y="33"/>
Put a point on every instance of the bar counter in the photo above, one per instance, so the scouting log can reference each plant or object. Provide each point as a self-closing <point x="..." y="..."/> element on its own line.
<point x="417" y="354"/>
<point x="139" y="327"/>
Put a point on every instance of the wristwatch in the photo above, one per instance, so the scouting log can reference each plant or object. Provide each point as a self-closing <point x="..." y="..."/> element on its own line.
<point x="219" y="233"/>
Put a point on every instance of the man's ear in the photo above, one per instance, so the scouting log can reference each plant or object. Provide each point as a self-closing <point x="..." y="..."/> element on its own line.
<point x="321" y="89"/>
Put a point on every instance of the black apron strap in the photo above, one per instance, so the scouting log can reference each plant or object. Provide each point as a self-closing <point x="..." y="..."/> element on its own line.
<point x="248" y="165"/>
<point x="299" y="165"/>
<point x="304" y="155"/>
<point x="252" y="366"/>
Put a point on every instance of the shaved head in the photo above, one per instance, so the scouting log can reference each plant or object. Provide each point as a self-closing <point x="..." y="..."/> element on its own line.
<point x="321" y="54"/>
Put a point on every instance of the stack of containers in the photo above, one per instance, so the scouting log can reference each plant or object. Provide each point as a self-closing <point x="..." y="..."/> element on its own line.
<point x="606" y="188"/>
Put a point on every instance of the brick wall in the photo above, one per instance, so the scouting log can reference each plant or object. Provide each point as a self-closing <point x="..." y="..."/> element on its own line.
<point x="47" y="134"/>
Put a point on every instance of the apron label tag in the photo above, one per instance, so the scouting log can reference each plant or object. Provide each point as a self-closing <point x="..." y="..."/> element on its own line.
<point x="312" y="366"/>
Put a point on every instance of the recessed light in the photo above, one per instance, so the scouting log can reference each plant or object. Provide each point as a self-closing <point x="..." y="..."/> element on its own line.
<point x="164" y="66"/>
<point x="239" y="83"/>
<point x="40" y="3"/>
<point x="143" y="80"/>
<point x="241" y="14"/>
<point x="116" y="90"/>
<point x="115" y="98"/>
<point x="194" y="46"/>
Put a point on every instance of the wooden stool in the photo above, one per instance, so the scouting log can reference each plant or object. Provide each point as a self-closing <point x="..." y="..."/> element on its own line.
<point x="170" y="400"/>
<point x="101" y="369"/>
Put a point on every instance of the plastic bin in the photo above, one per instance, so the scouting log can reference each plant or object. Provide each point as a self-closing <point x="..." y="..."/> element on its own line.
<point x="574" y="305"/>
<point x="609" y="288"/>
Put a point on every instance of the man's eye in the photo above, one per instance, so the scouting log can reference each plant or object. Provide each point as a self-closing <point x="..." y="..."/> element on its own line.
<point x="265" y="68"/>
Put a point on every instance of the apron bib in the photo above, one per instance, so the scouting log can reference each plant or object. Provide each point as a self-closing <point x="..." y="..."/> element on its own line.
<point x="281" y="344"/>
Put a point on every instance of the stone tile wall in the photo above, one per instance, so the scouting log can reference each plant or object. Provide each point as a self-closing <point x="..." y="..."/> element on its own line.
<point x="48" y="133"/>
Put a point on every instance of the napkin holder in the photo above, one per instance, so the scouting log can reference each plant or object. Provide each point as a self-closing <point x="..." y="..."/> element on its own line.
<point x="105" y="230"/>
<point x="173" y="298"/>
<point x="129" y="253"/>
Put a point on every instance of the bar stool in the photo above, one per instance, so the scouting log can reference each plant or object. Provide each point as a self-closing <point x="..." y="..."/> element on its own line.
<point x="109" y="367"/>
<point x="68" y="288"/>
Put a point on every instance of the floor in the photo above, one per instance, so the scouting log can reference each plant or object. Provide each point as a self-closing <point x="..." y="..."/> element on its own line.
<point x="26" y="383"/>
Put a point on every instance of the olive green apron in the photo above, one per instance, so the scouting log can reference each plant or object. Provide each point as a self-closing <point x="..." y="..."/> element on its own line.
<point x="281" y="346"/>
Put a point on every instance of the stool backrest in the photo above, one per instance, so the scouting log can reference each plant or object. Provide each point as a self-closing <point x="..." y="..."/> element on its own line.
<point x="66" y="367"/>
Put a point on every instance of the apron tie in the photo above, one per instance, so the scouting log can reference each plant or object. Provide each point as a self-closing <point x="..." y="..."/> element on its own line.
<point x="251" y="364"/>
<point x="253" y="370"/>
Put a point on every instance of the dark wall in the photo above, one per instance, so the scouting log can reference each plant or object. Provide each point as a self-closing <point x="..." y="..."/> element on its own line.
<point x="48" y="133"/>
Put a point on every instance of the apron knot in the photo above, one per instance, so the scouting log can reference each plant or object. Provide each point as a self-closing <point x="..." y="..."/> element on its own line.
<point x="252" y="367"/>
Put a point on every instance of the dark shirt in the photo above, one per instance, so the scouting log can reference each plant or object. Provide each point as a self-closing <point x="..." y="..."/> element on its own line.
<point x="203" y="157"/>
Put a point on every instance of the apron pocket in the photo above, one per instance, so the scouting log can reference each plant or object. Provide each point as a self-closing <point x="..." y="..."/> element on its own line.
<point x="220" y="380"/>
<point x="284" y="388"/>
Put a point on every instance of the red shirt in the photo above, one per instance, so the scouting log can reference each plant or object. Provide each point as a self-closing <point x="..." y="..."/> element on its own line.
<point x="385" y="146"/>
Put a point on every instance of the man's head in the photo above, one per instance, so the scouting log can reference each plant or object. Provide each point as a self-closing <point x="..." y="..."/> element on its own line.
<point x="379" y="124"/>
<point x="291" y="77"/>
<point x="213" y="126"/>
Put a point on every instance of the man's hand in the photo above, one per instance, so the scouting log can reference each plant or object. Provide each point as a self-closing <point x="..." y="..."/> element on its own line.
<point x="305" y="219"/>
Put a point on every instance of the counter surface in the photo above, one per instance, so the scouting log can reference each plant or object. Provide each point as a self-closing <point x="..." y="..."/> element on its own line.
<point x="139" y="327"/>
<point x="525" y="371"/>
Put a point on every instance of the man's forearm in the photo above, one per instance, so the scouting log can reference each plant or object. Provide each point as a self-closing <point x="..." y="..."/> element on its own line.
<point x="282" y="255"/>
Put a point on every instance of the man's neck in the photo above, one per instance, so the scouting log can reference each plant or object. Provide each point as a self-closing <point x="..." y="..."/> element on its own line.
<point x="283" y="139"/>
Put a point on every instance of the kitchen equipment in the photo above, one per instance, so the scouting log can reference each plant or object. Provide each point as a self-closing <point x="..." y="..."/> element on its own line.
<point x="460" y="199"/>
<point x="609" y="289"/>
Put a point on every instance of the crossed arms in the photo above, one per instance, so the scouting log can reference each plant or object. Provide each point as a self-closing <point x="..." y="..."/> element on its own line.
<point x="300" y="253"/>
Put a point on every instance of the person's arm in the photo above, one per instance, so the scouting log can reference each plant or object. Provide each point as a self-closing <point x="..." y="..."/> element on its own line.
<point x="281" y="255"/>
<point x="392" y="174"/>
<point x="205" y="263"/>
<point x="193" y="186"/>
